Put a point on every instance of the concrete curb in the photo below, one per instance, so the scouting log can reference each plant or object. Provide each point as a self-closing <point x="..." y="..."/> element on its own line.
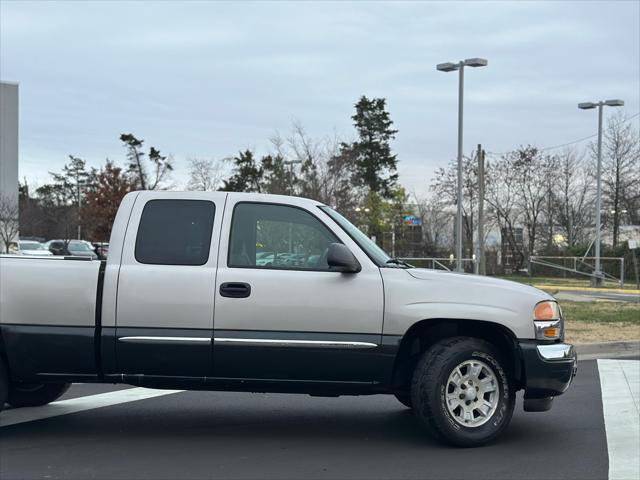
<point x="590" y="351"/>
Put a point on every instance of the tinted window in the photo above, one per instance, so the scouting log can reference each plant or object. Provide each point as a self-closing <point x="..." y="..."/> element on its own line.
<point x="278" y="236"/>
<point x="175" y="232"/>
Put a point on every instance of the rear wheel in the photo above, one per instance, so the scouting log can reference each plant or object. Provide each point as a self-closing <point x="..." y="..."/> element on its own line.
<point x="461" y="391"/>
<point x="4" y="384"/>
<point x="35" y="394"/>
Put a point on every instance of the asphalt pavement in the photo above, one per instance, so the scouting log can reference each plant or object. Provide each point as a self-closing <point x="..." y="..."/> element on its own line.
<point x="242" y="435"/>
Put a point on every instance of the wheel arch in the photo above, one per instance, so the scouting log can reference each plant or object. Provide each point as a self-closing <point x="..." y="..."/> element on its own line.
<point x="424" y="333"/>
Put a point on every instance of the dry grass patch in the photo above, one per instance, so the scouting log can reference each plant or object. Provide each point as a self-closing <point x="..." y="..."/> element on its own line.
<point x="594" y="332"/>
<point x="601" y="321"/>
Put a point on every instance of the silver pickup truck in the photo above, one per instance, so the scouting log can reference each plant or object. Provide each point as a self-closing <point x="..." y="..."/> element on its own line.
<point x="265" y="293"/>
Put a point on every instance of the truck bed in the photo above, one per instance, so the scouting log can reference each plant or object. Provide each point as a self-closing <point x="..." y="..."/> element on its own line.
<point x="49" y="303"/>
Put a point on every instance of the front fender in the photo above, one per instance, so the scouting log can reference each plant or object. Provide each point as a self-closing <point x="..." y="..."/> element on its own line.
<point x="444" y="295"/>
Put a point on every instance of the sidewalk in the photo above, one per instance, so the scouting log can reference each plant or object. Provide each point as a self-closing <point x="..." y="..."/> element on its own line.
<point x="620" y="380"/>
<point x="591" y="351"/>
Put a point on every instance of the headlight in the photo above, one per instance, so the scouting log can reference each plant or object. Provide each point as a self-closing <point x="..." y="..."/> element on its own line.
<point x="547" y="310"/>
<point x="547" y="318"/>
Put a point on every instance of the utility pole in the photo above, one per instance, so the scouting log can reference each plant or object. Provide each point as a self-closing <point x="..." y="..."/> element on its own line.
<point x="79" y="184"/>
<point x="480" y="257"/>
<point x="291" y="163"/>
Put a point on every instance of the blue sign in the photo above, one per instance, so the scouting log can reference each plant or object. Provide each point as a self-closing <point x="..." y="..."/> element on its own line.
<point x="411" y="220"/>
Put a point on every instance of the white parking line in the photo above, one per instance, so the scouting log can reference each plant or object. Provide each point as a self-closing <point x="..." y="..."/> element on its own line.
<point x="620" y="385"/>
<point x="74" y="405"/>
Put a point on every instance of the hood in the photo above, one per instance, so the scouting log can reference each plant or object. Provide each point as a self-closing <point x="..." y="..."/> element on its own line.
<point x="467" y="280"/>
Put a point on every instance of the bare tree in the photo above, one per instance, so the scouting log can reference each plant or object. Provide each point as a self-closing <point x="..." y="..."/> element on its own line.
<point x="620" y="172"/>
<point x="572" y="197"/>
<point x="436" y="219"/>
<point x="205" y="175"/>
<point x="324" y="173"/>
<point x="502" y="192"/>
<point x="444" y="186"/>
<point x="9" y="224"/>
<point x="533" y="179"/>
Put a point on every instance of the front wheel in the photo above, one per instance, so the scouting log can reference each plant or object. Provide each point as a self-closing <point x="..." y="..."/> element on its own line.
<point x="35" y="394"/>
<point x="461" y="391"/>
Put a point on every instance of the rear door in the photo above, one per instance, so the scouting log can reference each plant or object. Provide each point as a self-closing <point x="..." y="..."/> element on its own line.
<point x="166" y="284"/>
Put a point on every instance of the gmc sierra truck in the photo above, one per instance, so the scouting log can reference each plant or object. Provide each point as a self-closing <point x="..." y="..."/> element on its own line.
<point x="266" y="293"/>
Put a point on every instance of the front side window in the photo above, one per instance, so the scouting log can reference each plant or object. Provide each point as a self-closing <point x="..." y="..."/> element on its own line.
<point x="175" y="232"/>
<point x="278" y="236"/>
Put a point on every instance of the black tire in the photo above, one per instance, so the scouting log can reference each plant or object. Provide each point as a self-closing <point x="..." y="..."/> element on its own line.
<point x="35" y="394"/>
<point x="404" y="398"/>
<point x="4" y="384"/>
<point x="430" y="383"/>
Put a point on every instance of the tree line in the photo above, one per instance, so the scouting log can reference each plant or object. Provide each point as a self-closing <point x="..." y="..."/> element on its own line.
<point x="539" y="201"/>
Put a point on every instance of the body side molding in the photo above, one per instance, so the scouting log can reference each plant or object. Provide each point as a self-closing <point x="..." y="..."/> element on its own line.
<point x="294" y="343"/>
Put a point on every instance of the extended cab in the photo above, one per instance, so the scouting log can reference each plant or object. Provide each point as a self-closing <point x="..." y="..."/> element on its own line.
<point x="265" y="293"/>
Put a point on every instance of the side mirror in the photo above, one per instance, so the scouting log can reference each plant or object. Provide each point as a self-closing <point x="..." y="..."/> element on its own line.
<point x="340" y="259"/>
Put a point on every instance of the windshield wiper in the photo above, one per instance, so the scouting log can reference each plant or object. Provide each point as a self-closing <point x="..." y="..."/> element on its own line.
<point x="397" y="261"/>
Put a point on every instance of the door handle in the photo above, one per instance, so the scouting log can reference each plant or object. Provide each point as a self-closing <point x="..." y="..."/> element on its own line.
<point x="235" y="290"/>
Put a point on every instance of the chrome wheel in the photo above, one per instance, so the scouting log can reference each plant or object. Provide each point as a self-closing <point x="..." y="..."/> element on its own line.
<point x="472" y="393"/>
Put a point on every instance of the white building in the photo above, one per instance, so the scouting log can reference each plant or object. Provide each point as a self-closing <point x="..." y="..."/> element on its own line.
<point x="8" y="143"/>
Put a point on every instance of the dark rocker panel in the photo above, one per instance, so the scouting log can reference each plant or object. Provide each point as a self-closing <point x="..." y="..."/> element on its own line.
<point x="341" y="362"/>
<point x="38" y="349"/>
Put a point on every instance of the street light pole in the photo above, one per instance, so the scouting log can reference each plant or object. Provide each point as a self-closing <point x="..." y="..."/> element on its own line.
<point x="451" y="67"/>
<point x="459" y="266"/>
<point x="598" y="273"/>
<point x="598" y="277"/>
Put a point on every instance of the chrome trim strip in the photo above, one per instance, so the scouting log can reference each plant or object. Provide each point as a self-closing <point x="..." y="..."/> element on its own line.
<point x="294" y="343"/>
<point x="164" y="340"/>
<point x="556" y="351"/>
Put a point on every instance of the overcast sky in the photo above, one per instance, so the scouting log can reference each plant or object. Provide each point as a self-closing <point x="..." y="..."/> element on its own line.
<point x="206" y="79"/>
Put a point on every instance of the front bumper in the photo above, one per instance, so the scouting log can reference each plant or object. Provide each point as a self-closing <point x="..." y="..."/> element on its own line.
<point x="548" y="368"/>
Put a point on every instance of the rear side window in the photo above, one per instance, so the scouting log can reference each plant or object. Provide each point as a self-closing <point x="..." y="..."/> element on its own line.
<point x="175" y="232"/>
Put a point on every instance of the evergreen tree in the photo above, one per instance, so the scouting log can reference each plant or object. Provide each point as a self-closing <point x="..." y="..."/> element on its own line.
<point x="374" y="165"/>
<point x="247" y="174"/>
<point x="70" y="185"/>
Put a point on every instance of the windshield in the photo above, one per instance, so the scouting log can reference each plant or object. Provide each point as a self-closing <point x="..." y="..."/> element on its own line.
<point x="31" y="246"/>
<point x="374" y="252"/>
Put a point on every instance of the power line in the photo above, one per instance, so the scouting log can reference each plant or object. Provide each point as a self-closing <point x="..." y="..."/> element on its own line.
<point x="553" y="147"/>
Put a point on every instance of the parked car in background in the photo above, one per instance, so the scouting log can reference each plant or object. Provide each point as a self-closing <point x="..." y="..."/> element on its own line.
<point x="264" y="258"/>
<point x="33" y="248"/>
<point x="101" y="249"/>
<point x="77" y="248"/>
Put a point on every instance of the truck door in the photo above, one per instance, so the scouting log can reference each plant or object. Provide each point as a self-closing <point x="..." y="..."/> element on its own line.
<point x="166" y="285"/>
<point x="281" y="313"/>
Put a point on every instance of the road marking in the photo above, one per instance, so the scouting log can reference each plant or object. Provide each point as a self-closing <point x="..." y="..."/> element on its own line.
<point x="620" y="385"/>
<point x="80" y="404"/>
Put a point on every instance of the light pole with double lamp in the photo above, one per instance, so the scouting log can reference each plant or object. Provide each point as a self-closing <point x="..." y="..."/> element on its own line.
<point x="598" y="278"/>
<point x="452" y="67"/>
